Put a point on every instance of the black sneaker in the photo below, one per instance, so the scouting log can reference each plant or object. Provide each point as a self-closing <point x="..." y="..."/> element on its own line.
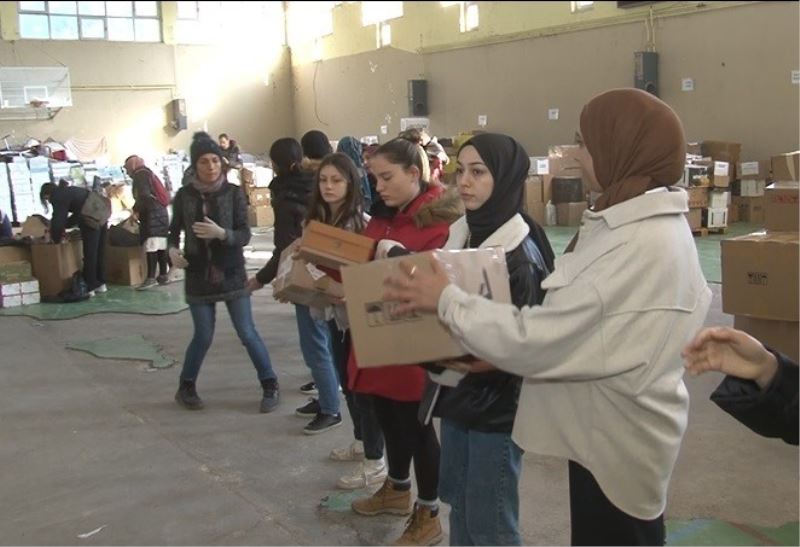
<point x="187" y="396"/>
<point x="271" y="398"/>
<point x="308" y="410"/>
<point x="309" y="389"/>
<point x="322" y="423"/>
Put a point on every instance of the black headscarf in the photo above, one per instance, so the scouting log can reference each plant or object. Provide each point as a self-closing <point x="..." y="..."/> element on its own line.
<point x="508" y="163"/>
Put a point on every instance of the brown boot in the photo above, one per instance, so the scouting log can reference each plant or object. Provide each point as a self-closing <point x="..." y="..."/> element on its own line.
<point x="423" y="528"/>
<point x="385" y="500"/>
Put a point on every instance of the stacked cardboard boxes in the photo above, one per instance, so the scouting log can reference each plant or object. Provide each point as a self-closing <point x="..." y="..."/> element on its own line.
<point x="55" y="263"/>
<point x="125" y="265"/>
<point x="747" y="203"/>
<point x="19" y="293"/>
<point x="259" y="210"/>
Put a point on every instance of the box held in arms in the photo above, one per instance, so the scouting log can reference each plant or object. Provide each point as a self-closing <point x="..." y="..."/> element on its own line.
<point x="380" y="338"/>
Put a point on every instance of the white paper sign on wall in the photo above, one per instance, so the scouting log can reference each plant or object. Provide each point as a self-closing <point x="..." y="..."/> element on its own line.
<point x="687" y="84"/>
<point x="552" y="114"/>
<point x="796" y="77"/>
<point x="384" y="129"/>
<point x="482" y="120"/>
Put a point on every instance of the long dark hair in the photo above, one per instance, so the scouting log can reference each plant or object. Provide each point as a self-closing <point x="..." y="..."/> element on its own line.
<point x="286" y="155"/>
<point x="45" y="192"/>
<point x="400" y="151"/>
<point x="351" y="214"/>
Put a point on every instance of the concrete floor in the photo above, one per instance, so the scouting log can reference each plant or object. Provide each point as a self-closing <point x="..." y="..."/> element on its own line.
<point x="87" y="443"/>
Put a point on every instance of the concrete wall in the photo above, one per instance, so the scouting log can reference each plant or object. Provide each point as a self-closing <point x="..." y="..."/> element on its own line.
<point x="743" y="89"/>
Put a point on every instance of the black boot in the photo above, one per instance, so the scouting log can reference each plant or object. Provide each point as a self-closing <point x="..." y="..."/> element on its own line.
<point x="187" y="396"/>
<point x="271" y="395"/>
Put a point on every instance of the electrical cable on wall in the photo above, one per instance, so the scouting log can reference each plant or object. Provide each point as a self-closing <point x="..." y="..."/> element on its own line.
<point x="314" y="89"/>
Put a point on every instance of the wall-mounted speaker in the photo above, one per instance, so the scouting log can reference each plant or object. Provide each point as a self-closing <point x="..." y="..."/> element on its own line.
<point x="646" y="71"/>
<point x="177" y="112"/>
<point x="418" y="97"/>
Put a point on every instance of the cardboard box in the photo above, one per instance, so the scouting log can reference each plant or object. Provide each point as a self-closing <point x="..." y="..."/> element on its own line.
<point x="718" y="199"/>
<point x="694" y="148"/>
<point x="539" y="166"/>
<point x="755" y="170"/>
<point x="380" y="338"/>
<point x="567" y="189"/>
<point x="333" y="247"/>
<point x="15" y="271"/>
<point x="247" y="176"/>
<point x="760" y="275"/>
<point x="698" y="196"/>
<point x="9" y="288"/>
<point x="302" y="283"/>
<point x="562" y="160"/>
<point x="35" y="227"/>
<point x="749" y="209"/>
<point x="729" y="152"/>
<point x="733" y="212"/>
<point x="786" y="167"/>
<point x="695" y="219"/>
<point x="782" y="207"/>
<point x="31" y="298"/>
<point x="534" y="192"/>
<point x="722" y="174"/>
<point x="10" y="301"/>
<point x="778" y="335"/>
<point x="752" y="188"/>
<point x="29" y="286"/>
<point x="547" y="188"/>
<point x="125" y="265"/>
<point x="715" y="217"/>
<point x="55" y="263"/>
<point x="538" y="213"/>
<point x="259" y="196"/>
<point x="260" y="216"/>
<point x="696" y="175"/>
<point x="15" y="253"/>
<point x="570" y="214"/>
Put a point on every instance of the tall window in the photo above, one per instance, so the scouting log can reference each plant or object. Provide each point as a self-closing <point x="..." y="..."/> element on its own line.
<point x="115" y="21"/>
<point x="308" y="21"/>
<point x="213" y="22"/>
<point x="469" y="18"/>
<point x="377" y="12"/>
<point x="581" y="6"/>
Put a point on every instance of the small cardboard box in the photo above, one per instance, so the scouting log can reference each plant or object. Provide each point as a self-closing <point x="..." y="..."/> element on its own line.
<point x="570" y="214"/>
<point x="31" y="298"/>
<point x="718" y="199"/>
<point x="786" y="167"/>
<point x="539" y="166"/>
<point x="778" y="335"/>
<point x="380" y="338"/>
<point x="260" y="216"/>
<point x="14" y="253"/>
<point x="259" y="196"/>
<point x="29" y="286"/>
<point x="698" y="196"/>
<point x="722" y="174"/>
<point x="694" y="148"/>
<point x="15" y="271"/>
<point x="538" y="213"/>
<point x="9" y="288"/>
<point x="760" y="275"/>
<point x="733" y="212"/>
<point x="534" y="192"/>
<point x="782" y="207"/>
<point x="755" y="170"/>
<point x="695" y="219"/>
<point x="35" y="227"/>
<point x="729" y="152"/>
<point x="563" y="160"/>
<point x="749" y="209"/>
<point x="715" y="217"/>
<point x="125" y="265"/>
<point x="55" y="263"/>
<point x="333" y="247"/>
<point x="10" y="301"/>
<point x="247" y="177"/>
<point x="302" y="283"/>
<point x="752" y="188"/>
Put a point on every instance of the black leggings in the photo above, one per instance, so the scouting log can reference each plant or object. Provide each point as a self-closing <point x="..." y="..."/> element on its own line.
<point x="161" y="257"/>
<point x="597" y="521"/>
<point x="94" y="255"/>
<point x="407" y="439"/>
<point x="365" y="424"/>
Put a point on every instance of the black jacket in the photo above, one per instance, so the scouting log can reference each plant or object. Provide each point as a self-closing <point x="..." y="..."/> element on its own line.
<point x="232" y="154"/>
<point x="290" y="196"/>
<point x="772" y="412"/>
<point x="153" y="217"/>
<point x="67" y="202"/>
<point x="216" y="270"/>
<point x="488" y="401"/>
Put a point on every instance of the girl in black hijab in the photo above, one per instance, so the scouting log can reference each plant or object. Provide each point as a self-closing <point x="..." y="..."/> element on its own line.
<point x="482" y="464"/>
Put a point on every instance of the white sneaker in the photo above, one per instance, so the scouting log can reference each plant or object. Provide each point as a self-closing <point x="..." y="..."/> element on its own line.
<point x="352" y="453"/>
<point x="101" y="289"/>
<point x="369" y="473"/>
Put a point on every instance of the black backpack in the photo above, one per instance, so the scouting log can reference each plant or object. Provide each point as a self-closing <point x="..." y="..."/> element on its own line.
<point x="78" y="291"/>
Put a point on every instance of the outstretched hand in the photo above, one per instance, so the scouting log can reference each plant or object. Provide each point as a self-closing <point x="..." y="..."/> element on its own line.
<point x="414" y="288"/>
<point x="732" y="352"/>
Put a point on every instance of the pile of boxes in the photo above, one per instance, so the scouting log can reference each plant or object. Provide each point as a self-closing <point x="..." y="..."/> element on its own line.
<point x="710" y="168"/>
<point x="556" y="182"/>
<point x="17" y="285"/>
<point x="20" y="178"/>
<point x="760" y="270"/>
<point x="747" y="204"/>
<point x="6" y="203"/>
<point x="255" y="181"/>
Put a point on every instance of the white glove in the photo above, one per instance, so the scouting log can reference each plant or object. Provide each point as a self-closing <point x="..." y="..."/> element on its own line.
<point x="177" y="258"/>
<point x="208" y="229"/>
<point x="383" y="247"/>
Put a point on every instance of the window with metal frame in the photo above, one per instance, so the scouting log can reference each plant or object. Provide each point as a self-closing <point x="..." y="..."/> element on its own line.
<point x="113" y="21"/>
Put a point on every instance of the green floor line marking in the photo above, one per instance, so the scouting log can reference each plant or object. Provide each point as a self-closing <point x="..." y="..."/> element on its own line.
<point x="156" y="301"/>
<point x="128" y="348"/>
<point x="717" y="532"/>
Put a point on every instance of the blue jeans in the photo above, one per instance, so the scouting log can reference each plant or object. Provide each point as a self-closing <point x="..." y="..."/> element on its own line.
<point x="479" y="479"/>
<point x="315" y="344"/>
<point x="204" y="318"/>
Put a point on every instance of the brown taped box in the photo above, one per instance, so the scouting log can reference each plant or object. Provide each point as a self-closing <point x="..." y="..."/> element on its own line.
<point x="698" y="196"/>
<point x="54" y="264"/>
<point x="782" y="207"/>
<point x="563" y="160"/>
<point x="722" y="175"/>
<point x="570" y="214"/>
<point x="760" y="275"/>
<point x="125" y="265"/>
<point x="303" y="283"/>
<point x="14" y="253"/>
<point x="260" y="216"/>
<point x="723" y="151"/>
<point x="259" y="196"/>
<point x="754" y="170"/>
<point x="333" y="247"/>
<point x="786" y="167"/>
<point x="748" y="209"/>
<point x="695" y="219"/>
<point x="380" y="338"/>
<point x="733" y="212"/>
<point x="694" y="148"/>
<point x="778" y="335"/>
<point x="537" y="211"/>
<point x="534" y="192"/>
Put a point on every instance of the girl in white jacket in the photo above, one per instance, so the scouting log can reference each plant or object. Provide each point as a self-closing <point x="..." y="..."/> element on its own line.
<point x="601" y="356"/>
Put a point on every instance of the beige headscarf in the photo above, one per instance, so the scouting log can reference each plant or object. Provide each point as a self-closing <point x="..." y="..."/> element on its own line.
<point x="636" y="142"/>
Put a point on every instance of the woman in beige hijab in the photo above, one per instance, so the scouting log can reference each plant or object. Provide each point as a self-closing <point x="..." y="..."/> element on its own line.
<point x="601" y="356"/>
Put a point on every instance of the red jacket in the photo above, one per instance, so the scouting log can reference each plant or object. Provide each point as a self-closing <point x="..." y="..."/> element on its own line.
<point x="422" y="226"/>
